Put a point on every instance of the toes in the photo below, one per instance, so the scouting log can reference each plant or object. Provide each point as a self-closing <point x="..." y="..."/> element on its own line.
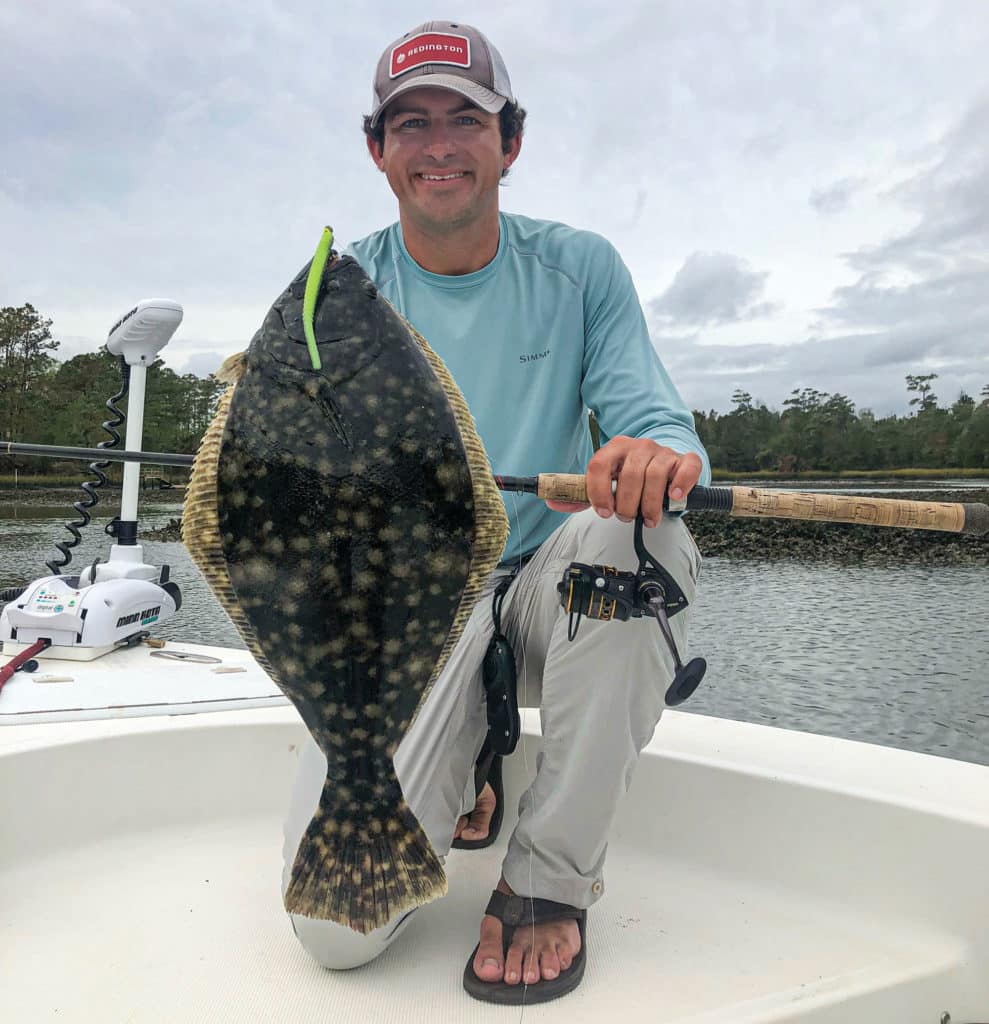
<point x="530" y="971"/>
<point x="565" y="954"/>
<point x="487" y="963"/>
<point x="513" y="965"/>
<point x="478" y="827"/>
<point x="461" y="822"/>
<point x="550" y="964"/>
<point x="480" y="818"/>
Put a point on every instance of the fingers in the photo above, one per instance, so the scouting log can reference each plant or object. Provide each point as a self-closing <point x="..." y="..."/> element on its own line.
<point x="685" y="477"/>
<point x="604" y="467"/>
<point x="642" y="484"/>
<point x="645" y="472"/>
<point x="629" y="475"/>
<point x="566" y="506"/>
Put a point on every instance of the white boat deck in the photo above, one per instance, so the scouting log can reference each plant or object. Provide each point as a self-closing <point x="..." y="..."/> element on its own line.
<point x="754" y="875"/>
<point x="134" y="682"/>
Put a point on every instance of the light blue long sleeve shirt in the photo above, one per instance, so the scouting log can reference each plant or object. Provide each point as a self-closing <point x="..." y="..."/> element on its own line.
<point x="549" y="329"/>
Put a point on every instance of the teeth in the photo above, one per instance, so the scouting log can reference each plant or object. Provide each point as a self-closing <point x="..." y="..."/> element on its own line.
<point x="444" y="177"/>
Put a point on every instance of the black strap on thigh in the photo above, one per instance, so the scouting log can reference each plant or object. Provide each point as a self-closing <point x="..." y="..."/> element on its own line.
<point x="500" y="681"/>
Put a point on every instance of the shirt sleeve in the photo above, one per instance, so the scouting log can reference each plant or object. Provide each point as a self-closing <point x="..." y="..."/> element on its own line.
<point x="623" y="380"/>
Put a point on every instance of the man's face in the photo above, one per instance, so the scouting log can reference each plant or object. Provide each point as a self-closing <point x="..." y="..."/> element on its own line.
<point x="442" y="157"/>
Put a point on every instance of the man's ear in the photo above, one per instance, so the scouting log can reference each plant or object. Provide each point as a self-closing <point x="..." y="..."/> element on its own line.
<point x="514" y="148"/>
<point x="376" y="151"/>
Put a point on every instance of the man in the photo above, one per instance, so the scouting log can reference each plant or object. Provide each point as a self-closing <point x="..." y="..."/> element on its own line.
<point x="537" y="322"/>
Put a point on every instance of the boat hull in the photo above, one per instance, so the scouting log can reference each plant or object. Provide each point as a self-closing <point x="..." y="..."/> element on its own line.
<point x="753" y="875"/>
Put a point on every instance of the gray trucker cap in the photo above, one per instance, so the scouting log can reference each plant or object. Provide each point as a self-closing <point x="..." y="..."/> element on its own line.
<point x="445" y="55"/>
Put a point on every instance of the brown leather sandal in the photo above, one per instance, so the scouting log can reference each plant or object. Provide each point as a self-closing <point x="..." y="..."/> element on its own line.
<point x="516" y="912"/>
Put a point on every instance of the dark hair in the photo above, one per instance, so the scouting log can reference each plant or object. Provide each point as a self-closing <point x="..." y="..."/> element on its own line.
<point x="511" y="119"/>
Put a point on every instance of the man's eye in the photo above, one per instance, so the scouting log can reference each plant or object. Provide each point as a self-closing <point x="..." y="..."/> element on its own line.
<point x="467" y="119"/>
<point x="411" y="122"/>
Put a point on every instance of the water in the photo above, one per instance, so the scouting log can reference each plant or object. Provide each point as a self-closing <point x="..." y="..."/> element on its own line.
<point x="878" y="487"/>
<point x="894" y="656"/>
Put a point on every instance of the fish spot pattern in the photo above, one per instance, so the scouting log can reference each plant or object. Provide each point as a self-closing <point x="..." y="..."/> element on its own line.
<point x="347" y="519"/>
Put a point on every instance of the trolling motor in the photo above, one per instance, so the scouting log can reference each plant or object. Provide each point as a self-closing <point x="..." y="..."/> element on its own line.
<point x="110" y="603"/>
<point x="603" y="592"/>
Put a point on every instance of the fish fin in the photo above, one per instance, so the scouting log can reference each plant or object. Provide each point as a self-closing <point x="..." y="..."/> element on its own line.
<point x="360" y="877"/>
<point x="232" y="368"/>
<point x="201" y="523"/>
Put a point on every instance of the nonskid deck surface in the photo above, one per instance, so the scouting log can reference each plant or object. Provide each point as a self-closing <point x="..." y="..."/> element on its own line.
<point x="141" y="883"/>
<point x="135" y="682"/>
<point x="185" y="924"/>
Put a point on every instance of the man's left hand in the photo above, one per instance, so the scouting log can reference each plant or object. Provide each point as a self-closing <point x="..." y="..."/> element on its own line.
<point x="645" y="472"/>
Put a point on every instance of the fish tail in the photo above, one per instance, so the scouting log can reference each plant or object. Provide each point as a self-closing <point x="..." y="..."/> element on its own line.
<point x="363" y="875"/>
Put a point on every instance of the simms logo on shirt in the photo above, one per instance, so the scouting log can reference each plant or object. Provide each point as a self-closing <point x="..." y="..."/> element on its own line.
<point x="531" y="357"/>
<point x="429" y="48"/>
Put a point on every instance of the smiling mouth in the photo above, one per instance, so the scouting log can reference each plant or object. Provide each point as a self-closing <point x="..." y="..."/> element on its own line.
<point x="453" y="176"/>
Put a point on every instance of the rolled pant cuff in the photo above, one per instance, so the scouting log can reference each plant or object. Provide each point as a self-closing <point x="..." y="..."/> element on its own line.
<point x="575" y="891"/>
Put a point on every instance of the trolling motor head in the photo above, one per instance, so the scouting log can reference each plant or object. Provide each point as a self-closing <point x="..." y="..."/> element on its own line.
<point x="140" y="334"/>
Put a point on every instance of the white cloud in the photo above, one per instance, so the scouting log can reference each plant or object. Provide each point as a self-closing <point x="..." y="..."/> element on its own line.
<point x="835" y="197"/>
<point x="196" y="151"/>
<point x="713" y="288"/>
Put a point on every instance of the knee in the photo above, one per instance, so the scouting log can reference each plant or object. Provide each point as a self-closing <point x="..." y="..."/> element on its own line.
<point x="339" y="948"/>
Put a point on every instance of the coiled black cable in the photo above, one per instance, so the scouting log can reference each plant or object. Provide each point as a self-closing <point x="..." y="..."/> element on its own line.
<point x="92" y="498"/>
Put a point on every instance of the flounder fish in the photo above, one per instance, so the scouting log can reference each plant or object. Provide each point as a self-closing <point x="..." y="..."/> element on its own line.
<point x="342" y="509"/>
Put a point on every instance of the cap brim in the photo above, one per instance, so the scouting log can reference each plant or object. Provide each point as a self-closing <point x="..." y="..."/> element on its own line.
<point x="477" y="94"/>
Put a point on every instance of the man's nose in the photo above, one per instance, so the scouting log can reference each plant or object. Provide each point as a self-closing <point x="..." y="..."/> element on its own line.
<point x="439" y="142"/>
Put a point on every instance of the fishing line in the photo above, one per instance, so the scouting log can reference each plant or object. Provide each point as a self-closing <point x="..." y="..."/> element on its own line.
<point x="525" y="759"/>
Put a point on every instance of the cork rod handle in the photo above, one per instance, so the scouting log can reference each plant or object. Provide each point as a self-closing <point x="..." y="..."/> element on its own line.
<point x="845" y="508"/>
<point x="562" y="487"/>
<point x="756" y="502"/>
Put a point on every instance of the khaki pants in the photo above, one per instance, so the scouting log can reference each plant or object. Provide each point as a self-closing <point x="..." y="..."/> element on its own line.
<point x="600" y="698"/>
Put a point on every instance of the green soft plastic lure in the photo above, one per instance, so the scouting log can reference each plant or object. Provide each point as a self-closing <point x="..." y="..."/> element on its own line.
<point x="312" y="290"/>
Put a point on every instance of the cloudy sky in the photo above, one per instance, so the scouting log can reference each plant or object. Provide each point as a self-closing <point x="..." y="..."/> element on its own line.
<point x="801" y="190"/>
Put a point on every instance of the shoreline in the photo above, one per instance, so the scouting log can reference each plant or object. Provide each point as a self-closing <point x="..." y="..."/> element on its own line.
<point x="842" y="543"/>
<point x="721" y="536"/>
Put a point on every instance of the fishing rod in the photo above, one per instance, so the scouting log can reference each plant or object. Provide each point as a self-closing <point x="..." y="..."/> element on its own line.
<point x="761" y="503"/>
<point x="52" y="451"/>
<point x="970" y="518"/>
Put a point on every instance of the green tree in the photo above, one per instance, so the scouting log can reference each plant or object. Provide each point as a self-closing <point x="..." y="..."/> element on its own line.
<point x="25" y="344"/>
<point x="73" y="398"/>
<point x="744" y="436"/>
<point x="178" y="409"/>
<point x="802" y="436"/>
<point x="972" y="447"/>
<point x="921" y="384"/>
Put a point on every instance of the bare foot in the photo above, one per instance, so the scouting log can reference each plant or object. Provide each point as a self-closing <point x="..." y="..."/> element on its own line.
<point x="541" y="952"/>
<point x="479" y="822"/>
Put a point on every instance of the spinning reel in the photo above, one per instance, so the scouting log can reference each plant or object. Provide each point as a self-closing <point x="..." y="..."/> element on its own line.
<point x="603" y="592"/>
